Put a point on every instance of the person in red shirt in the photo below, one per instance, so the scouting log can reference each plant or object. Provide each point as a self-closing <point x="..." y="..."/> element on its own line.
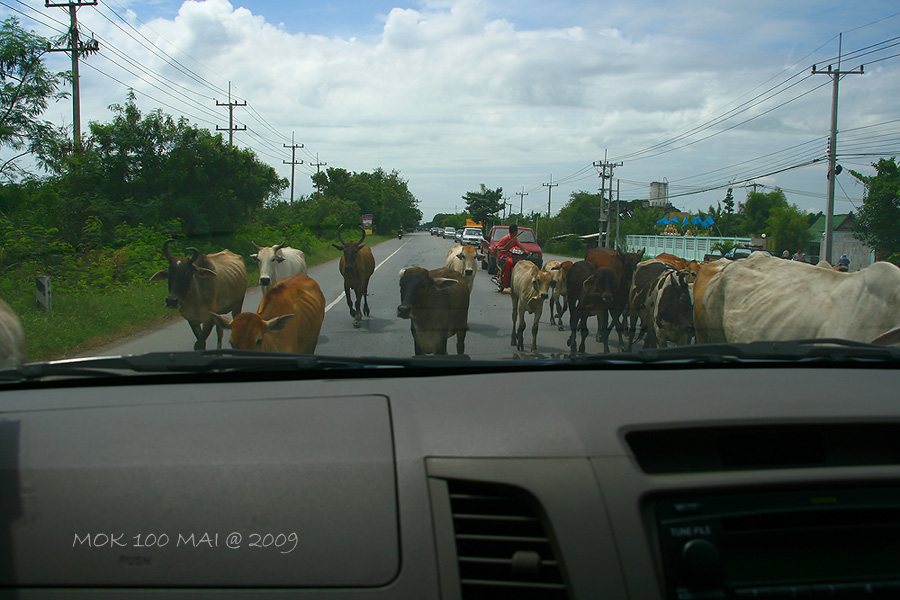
<point x="504" y="258"/>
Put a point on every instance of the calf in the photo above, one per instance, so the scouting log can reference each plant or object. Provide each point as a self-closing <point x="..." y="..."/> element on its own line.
<point x="437" y="305"/>
<point x="464" y="260"/>
<point x="529" y="287"/>
<point x="558" y="297"/>
<point x="289" y="319"/>
<point x="590" y="291"/>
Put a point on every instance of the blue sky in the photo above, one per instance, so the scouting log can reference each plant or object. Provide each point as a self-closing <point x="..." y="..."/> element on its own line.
<point x="453" y="94"/>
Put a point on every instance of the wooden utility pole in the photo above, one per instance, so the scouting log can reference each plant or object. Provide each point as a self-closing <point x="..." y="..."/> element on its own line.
<point x="606" y="174"/>
<point x="293" y="162"/>
<point x="549" y="187"/>
<point x="76" y="48"/>
<point x="835" y="74"/>
<point x="521" y="196"/>
<point x="318" y="164"/>
<point x="231" y="128"/>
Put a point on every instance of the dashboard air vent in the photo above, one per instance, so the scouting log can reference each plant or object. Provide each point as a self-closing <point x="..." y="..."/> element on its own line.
<point x="502" y="544"/>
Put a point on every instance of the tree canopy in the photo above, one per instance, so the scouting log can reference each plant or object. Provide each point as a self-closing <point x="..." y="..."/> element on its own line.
<point x="26" y="89"/>
<point x="483" y="205"/>
<point x="878" y="219"/>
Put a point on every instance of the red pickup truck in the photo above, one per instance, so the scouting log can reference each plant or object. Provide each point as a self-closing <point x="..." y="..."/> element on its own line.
<point x="527" y="240"/>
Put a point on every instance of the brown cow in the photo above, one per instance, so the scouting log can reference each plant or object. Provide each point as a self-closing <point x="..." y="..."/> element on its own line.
<point x="590" y="290"/>
<point x="622" y="265"/>
<point x="529" y="287"/>
<point x="691" y="267"/>
<point x="437" y="305"/>
<point x="204" y="284"/>
<point x="288" y="319"/>
<point x="559" y="296"/>
<point x="357" y="266"/>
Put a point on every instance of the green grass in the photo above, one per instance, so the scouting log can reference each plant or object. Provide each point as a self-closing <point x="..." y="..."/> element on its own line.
<point x="83" y="319"/>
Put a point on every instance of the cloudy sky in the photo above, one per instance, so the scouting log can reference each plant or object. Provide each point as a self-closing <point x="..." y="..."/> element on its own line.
<point x="512" y="93"/>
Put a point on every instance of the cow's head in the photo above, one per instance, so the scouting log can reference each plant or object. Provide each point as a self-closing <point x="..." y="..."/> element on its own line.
<point x="180" y="273"/>
<point x="267" y="257"/>
<point x="415" y="285"/>
<point x="560" y="273"/>
<point x="542" y="282"/>
<point x="350" y="249"/>
<point x="674" y="309"/>
<point x="469" y="256"/>
<point x="248" y="329"/>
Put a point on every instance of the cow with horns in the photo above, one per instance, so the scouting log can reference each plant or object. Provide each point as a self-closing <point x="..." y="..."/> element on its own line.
<point x="202" y="284"/>
<point x="357" y="265"/>
<point x="276" y="263"/>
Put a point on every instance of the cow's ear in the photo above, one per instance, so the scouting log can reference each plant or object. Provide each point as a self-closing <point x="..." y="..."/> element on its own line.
<point x="223" y="321"/>
<point x="254" y="256"/>
<point x="160" y="275"/>
<point x="442" y="283"/>
<point x="278" y="323"/>
<point x="461" y="256"/>
<point x="479" y="257"/>
<point x="279" y="257"/>
<point x="341" y="248"/>
<point x="556" y="268"/>
<point x="402" y="271"/>
<point x="203" y="272"/>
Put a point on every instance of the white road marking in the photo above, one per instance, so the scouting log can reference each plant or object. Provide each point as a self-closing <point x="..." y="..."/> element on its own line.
<point x="341" y="296"/>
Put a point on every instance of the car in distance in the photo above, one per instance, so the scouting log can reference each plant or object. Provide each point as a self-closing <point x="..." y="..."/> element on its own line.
<point x="449" y="232"/>
<point x="472" y="236"/>
<point x="457" y="236"/>
<point x="744" y="252"/>
<point x="527" y="240"/>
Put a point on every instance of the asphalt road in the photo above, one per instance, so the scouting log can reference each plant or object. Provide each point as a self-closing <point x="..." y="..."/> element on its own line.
<point x="382" y="333"/>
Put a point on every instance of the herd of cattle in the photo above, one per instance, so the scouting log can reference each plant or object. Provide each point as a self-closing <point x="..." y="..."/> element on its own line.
<point x="674" y="301"/>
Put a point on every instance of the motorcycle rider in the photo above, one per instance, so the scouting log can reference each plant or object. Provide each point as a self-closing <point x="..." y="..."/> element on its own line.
<point x="400" y="233"/>
<point x="504" y="256"/>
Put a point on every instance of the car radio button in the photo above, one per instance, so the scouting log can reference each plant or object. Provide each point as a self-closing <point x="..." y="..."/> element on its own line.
<point x="702" y="564"/>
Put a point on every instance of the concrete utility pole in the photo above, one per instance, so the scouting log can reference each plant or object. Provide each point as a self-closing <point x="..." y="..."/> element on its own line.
<point x="293" y="162"/>
<point x="318" y="164"/>
<point x="835" y="74"/>
<point x="606" y="173"/>
<point x="549" y="187"/>
<point x="76" y="48"/>
<point x="521" y="196"/>
<point x="231" y="128"/>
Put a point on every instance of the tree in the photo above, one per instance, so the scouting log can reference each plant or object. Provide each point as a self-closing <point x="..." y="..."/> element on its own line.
<point x="758" y="207"/>
<point x="789" y="227"/>
<point x="26" y="88"/>
<point x="384" y="195"/>
<point x="878" y="220"/>
<point x="484" y="204"/>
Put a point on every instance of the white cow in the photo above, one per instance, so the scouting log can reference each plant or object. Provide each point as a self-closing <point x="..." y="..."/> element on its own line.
<point x="277" y="262"/>
<point x="13" y="352"/>
<point x="767" y="298"/>
<point x="464" y="260"/>
<point x="529" y="287"/>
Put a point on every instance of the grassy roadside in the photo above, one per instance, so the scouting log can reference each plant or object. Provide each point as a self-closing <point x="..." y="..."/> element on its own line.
<point x="85" y="319"/>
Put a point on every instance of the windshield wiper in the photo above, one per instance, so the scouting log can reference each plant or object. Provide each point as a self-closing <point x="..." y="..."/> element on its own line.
<point x="818" y="350"/>
<point x="223" y="360"/>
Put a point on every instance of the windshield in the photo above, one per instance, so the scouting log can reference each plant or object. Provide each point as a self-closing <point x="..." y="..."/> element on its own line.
<point x="224" y="159"/>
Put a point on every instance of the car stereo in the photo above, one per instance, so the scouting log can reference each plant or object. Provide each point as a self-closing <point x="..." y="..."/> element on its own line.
<point x="800" y="544"/>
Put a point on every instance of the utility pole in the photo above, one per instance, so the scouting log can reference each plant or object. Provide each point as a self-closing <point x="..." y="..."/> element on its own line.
<point x="318" y="164"/>
<point x="76" y="48"/>
<point x="618" y="210"/>
<point x="521" y="196"/>
<point x="833" y="171"/>
<point x="293" y="162"/>
<point x="231" y="128"/>
<point x="549" y="187"/>
<point x="606" y="173"/>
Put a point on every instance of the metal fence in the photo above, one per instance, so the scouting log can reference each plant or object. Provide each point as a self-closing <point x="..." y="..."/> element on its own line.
<point x="684" y="246"/>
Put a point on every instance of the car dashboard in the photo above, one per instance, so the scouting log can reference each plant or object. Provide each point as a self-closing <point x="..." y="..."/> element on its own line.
<point x="681" y="483"/>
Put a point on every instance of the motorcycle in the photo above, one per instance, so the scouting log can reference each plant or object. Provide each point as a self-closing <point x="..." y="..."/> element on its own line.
<point x="399" y="234"/>
<point x="514" y="254"/>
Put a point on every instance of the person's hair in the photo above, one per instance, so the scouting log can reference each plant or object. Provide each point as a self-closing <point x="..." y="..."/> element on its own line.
<point x="513" y="228"/>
